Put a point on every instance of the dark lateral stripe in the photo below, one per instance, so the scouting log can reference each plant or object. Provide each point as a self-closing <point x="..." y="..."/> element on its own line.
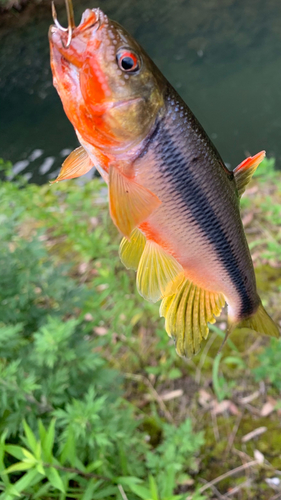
<point x="176" y="170"/>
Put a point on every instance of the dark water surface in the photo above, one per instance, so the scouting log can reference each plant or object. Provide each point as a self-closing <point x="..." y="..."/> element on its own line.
<point x="223" y="57"/>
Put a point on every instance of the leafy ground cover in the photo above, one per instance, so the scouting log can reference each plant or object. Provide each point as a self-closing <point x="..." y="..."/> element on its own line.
<point x="95" y="402"/>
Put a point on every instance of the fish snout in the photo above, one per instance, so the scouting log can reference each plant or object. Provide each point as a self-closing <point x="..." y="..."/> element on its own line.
<point x="91" y="19"/>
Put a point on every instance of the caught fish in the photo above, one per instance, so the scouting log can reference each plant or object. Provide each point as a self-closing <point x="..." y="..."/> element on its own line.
<point x="170" y="193"/>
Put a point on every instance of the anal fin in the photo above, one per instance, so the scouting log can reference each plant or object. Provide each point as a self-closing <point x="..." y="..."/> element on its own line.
<point x="187" y="313"/>
<point x="244" y="172"/>
<point x="76" y="164"/>
<point x="130" y="203"/>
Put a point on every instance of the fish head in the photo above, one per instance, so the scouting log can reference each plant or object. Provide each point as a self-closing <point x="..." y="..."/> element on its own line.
<point x="110" y="89"/>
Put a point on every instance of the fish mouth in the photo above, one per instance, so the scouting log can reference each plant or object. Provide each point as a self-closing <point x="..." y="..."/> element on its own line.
<point x="91" y="19"/>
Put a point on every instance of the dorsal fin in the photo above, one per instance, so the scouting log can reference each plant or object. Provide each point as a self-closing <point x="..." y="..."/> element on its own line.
<point x="244" y="172"/>
<point x="129" y="203"/>
<point x="156" y="270"/>
<point x="130" y="251"/>
<point x="76" y="164"/>
<point x="187" y="313"/>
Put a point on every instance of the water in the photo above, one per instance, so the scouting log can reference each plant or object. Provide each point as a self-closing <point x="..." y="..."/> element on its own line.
<point x="223" y="57"/>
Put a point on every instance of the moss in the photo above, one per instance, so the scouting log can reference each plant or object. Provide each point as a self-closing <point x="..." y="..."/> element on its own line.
<point x="267" y="278"/>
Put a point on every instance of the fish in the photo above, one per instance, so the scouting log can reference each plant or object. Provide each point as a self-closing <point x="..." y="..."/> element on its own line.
<point x="171" y="196"/>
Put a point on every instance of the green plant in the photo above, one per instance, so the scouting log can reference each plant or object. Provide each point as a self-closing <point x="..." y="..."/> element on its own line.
<point x="223" y="387"/>
<point x="270" y="364"/>
<point x="66" y="429"/>
<point x="47" y="471"/>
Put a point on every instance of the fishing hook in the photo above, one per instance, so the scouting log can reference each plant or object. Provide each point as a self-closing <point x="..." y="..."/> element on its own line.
<point x="55" y="18"/>
<point x="70" y="19"/>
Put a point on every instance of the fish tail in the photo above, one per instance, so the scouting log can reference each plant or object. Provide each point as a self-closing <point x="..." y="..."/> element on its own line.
<point x="260" y="322"/>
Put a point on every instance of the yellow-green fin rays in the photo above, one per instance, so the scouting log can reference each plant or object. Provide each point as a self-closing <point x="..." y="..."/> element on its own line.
<point x="186" y="307"/>
<point x="156" y="270"/>
<point x="187" y="313"/>
<point x="131" y="250"/>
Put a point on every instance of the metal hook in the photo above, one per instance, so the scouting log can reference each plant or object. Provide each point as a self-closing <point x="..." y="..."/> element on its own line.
<point x="70" y="19"/>
<point x="55" y="18"/>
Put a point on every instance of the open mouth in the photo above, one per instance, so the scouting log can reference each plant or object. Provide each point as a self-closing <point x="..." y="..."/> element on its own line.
<point x="91" y="19"/>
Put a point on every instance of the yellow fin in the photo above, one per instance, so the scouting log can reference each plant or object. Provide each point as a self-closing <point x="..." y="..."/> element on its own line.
<point x="130" y="251"/>
<point x="76" y="164"/>
<point x="260" y="322"/>
<point x="157" y="269"/>
<point x="130" y="203"/>
<point x="187" y="314"/>
<point x="244" y="172"/>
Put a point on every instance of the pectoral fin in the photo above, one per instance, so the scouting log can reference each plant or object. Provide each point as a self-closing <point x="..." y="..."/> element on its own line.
<point x="244" y="172"/>
<point x="156" y="271"/>
<point x="129" y="203"/>
<point x="187" y="314"/>
<point x="76" y="164"/>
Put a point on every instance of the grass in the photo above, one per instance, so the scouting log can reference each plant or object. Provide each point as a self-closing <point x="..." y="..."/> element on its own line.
<point x="76" y="306"/>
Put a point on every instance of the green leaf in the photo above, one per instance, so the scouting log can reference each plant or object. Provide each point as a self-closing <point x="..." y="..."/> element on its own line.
<point x="40" y="469"/>
<point x="43" y="490"/>
<point x="15" y="451"/>
<point x="38" y="450"/>
<point x="30" y="437"/>
<point x="29" y="479"/>
<point x="94" y="465"/>
<point x="50" y="437"/>
<point x="153" y="488"/>
<point x="92" y="486"/>
<point x="28" y="456"/>
<point x="68" y="453"/>
<point x="106" y="492"/>
<point x="234" y="360"/>
<point x="216" y="383"/>
<point x="143" y="492"/>
<point x="55" y="479"/>
<point x="19" y="466"/>
<point x="169" y="482"/>
<point x="42" y="431"/>
<point x="174" y="373"/>
<point x="2" y="450"/>
<point x="10" y="493"/>
<point x="127" y="480"/>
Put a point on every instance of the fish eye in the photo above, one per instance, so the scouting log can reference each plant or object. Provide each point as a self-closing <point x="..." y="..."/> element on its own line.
<point x="128" y="61"/>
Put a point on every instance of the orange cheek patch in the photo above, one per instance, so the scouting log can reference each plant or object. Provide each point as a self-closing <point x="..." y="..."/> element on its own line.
<point x="94" y="85"/>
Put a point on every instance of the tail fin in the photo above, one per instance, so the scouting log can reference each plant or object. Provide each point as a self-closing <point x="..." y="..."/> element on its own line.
<point x="260" y="322"/>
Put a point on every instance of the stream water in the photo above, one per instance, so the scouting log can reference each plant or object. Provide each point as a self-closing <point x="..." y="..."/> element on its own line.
<point x="223" y="57"/>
